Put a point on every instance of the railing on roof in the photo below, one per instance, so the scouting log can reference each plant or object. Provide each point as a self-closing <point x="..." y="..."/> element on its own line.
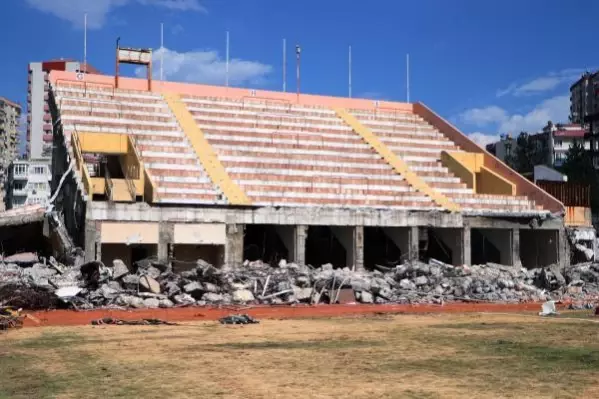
<point x="80" y="163"/>
<point x="85" y="84"/>
<point x="570" y="194"/>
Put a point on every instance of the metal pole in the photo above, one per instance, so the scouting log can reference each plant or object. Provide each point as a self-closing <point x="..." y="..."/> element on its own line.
<point x="408" y="78"/>
<point x="161" y="52"/>
<point x="85" y="42"/>
<point x="298" y="52"/>
<point x="349" y="71"/>
<point x="227" y="65"/>
<point x="284" y="65"/>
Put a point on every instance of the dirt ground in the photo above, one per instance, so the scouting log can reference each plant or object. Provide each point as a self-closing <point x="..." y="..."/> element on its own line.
<point x="445" y="355"/>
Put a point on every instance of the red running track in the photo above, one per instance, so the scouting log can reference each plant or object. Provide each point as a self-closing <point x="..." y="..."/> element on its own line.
<point x="72" y="318"/>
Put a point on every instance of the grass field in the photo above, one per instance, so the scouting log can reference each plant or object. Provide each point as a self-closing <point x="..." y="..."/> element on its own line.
<point x="407" y="356"/>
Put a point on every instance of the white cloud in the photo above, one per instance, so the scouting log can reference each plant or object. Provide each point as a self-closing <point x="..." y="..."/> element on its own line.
<point x="97" y="10"/>
<point x="483" y="116"/>
<point x="542" y="84"/>
<point x="206" y="66"/>
<point x="555" y="109"/>
<point x="483" y="139"/>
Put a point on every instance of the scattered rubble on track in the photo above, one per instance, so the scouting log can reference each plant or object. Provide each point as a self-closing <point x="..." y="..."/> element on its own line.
<point x="27" y="283"/>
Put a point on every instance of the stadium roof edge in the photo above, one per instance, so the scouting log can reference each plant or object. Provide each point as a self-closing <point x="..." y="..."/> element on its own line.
<point x="194" y="89"/>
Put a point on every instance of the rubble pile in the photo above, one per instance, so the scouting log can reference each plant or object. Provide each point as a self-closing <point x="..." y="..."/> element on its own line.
<point x="151" y="284"/>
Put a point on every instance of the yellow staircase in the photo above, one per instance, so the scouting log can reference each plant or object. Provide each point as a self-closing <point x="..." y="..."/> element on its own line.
<point x="206" y="154"/>
<point x="395" y="161"/>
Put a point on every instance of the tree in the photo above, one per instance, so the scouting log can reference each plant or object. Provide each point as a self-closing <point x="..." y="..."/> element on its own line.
<point x="527" y="152"/>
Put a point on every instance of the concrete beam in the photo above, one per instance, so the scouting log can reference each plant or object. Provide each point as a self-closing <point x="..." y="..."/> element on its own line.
<point x="274" y="216"/>
<point x="480" y="222"/>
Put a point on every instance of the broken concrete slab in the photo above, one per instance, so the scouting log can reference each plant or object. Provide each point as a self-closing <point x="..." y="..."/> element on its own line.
<point x="149" y="284"/>
<point x="119" y="269"/>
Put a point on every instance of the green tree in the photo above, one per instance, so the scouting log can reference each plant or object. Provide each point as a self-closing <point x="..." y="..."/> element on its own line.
<point x="526" y="152"/>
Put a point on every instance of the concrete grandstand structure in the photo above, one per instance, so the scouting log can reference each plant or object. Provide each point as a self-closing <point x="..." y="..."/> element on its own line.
<point x="189" y="171"/>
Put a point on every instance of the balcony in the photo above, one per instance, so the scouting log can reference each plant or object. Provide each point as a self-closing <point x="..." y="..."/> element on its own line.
<point x="47" y="138"/>
<point x="47" y="127"/>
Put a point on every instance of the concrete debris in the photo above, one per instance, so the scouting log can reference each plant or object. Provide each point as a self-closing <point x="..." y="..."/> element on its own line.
<point x="152" y="284"/>
<point x="238" y="319"/>
<point x="548" y="309"/>
<point x="142" y="322"/>
<point x="22" y="259"/>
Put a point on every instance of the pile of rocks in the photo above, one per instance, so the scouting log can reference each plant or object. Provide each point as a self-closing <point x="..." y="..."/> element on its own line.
<point x="152" y="284"/>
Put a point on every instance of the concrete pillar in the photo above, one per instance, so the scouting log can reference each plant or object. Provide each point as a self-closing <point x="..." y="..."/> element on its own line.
<point x="300" y="236"/>
<point x="234" y="246"/>
<point x="406" y="239"/>
<point x="166" y="235"/>
<point x="414" y="242"/>
<point x="563" y="249"/>
<point x="93" y="244"/>
<point x="516" y="248"/>
<point x="352" y="239"/>
<point x="466" y="247"/>
<point x="294" y="238"/>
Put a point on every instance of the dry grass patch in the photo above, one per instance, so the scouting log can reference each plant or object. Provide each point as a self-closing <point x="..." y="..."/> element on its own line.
<point x="411" y="356"/>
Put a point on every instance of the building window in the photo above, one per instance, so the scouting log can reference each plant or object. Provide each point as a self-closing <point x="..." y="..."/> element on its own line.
<point x="38" y="170"/>
<point x="18" y="185"/>
<point x="559" y="143"/>
<point x="20" y="169"/>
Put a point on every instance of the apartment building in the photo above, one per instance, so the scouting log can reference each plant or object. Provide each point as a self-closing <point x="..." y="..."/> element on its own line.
<point x="39" y="121"/>
<point x="28" y="183"/>
<point x="10" y="114"/>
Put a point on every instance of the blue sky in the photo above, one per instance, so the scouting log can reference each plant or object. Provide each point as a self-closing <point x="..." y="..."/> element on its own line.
<point x="488" y="66"/>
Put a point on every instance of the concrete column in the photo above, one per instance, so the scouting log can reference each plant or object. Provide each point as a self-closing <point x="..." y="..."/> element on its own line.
<point x="414" y="243"/>
<point x="294" y="238"/>
<point x="352" y="239"/>
<point x="166" y="233"/>
<point x="516" y="248"/>
<point x="563" y="254"/>
<point x="300" y="236"/>
<point x="93" y="245"/>
<point x="465" y="248"/>
<point x="406" y="239"/>
<point x="234" y="246"/>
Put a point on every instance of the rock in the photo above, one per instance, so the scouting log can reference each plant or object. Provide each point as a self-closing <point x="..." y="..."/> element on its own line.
<point x="131" y="301"/>
<point x="192" y="287"/>
<point x="151" y="303"/>
<point x="302" y="294"/>
<point x="243" y="296"/>
<point x="327" y="267"/>
<point x="23" y="259"/>
<point x="366" y="297"/>
<point x="152" y="271"/>
<point x="209" y="287"/>
<point x="183" y="299"/>
<point x="149" y="284"/>
<point x="165" y="303"/>
<point x="171" y="288"/>
<point x="119" y="269"/>
<point x="420" y="280"/>
<point x="406" y="284"/>
<point x="130" y="281"/>
<point x="107" y="292"/>
<point x="212" y="297"/>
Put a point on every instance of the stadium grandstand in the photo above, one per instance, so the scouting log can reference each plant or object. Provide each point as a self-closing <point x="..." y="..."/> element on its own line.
<point x="186" y="171"/>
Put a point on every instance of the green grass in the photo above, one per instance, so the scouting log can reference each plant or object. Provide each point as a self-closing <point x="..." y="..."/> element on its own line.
<point x="329" y="344"/>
